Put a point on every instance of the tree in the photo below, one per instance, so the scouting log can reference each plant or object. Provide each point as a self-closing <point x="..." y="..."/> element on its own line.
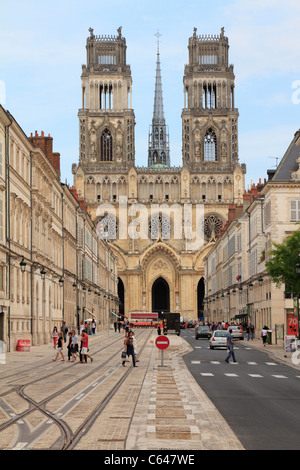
<point x="282" y="260"/>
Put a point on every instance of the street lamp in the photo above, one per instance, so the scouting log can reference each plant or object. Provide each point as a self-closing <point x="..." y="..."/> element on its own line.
<point x="61" y="282"/>
<point x="23" y="265"/>
<point x="43" y="273"/>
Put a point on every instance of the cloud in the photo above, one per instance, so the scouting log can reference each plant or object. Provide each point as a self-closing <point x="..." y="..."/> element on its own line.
<point x="262" y="148"/>
<point x="262" y="36"/>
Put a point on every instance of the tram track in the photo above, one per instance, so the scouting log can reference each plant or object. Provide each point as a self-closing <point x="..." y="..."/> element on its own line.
<point x="42" y="365"/>
<point x="69" y="438"/>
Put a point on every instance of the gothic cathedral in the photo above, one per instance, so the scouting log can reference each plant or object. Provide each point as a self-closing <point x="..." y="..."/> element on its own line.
<point x="158" y="268"/>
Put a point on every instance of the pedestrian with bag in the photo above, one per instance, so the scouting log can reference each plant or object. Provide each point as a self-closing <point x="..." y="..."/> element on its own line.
<point x="129" y="349"/>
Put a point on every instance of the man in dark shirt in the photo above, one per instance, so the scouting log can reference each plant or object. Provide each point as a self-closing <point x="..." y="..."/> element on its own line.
<point x="230" y="345"/>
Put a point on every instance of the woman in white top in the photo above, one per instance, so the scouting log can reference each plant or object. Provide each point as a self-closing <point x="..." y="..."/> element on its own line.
<point x="54" y="336"/>
<point x="264" y="335"/>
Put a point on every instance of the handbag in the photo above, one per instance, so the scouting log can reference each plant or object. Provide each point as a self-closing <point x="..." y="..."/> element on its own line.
<point x="123" y="355"/>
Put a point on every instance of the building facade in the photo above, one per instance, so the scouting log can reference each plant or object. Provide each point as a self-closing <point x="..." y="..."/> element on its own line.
<point x="45" y="266"/>
<point x="159" y="268"/>
<point x="238" y="287"/>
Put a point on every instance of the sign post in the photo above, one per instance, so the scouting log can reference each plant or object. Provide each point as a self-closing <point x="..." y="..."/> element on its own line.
<point x="162" y="342"/>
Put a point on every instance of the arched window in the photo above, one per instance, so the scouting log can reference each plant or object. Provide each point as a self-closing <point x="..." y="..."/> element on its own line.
<point x="210" y="146"/>
<point x="106" y="146"/>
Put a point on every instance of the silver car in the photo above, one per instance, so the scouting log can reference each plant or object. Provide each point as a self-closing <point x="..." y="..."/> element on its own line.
<point x="237" y="332"/>
<point x="218" y="339"/>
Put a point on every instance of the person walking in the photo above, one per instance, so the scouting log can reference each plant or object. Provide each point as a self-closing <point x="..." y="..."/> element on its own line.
<point x="64" y="330"/>
<point x="69" y="347"/>
<point x="54" y="336"/>
<point x="249" y="330"/>
<point x="129" y="348"/>
<point x="263" y="335"/>
<point x="135" y="348"/>
<point x="230" y="345"/>
<point x="74" y="346"/>
<point x="59" y="347"/>
<point x="85" y="346"/>
<point x="93" y="327"/>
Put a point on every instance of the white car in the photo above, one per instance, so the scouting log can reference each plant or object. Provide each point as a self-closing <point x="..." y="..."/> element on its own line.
<point x="237" y="332"/>
<point x="218" y="339"/>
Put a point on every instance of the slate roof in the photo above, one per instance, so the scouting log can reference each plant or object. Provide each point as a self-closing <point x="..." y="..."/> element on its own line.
<point x="289" y="162"/>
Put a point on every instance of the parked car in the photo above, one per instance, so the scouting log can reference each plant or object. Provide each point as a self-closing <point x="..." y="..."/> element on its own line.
<point x="237" y="332"/>
<point x="218" y="339"/>
<point x="202" y="332"/>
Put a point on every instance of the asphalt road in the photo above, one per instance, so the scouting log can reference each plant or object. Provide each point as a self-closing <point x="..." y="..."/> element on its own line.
<point x="258" y="397"/>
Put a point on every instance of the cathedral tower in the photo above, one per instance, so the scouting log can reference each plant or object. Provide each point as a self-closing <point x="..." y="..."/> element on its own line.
<point x="158" y="150"/>
<point x="106" y="118"/>
<point x="209" y="117"/>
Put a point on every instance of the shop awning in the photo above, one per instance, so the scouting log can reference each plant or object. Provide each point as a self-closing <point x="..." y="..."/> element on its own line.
<point x="241" y="315"/>
<point x="114" y="314"/>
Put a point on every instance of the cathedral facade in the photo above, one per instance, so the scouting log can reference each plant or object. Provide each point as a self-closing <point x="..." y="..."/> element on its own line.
<point x="149" y="215"/>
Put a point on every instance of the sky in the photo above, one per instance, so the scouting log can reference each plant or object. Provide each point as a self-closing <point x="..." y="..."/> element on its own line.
<point x="42" y="49"/>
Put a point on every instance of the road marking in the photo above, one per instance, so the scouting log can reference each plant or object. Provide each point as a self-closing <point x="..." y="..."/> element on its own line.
<point x="207" y="374"/>
<point x="252" y="363"/>
<point x="271" y="363"/>
<point x="195" y="362"/>
<point x="255" y="375"/>
<point x="279" y="376"/>
<point x="215" y="362"/>
<point x="231" y="375"/>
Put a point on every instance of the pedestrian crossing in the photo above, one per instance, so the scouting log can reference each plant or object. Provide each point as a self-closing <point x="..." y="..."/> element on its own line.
<point x="270" y="365"/>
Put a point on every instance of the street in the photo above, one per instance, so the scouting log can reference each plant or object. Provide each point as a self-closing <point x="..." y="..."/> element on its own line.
<point x="257" y="396"/>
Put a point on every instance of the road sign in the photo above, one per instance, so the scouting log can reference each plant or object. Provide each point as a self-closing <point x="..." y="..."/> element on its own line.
<point x="162" y="342"/>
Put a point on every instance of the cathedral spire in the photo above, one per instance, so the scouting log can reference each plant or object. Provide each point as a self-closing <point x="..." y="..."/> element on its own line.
<point x="158" y="151"/>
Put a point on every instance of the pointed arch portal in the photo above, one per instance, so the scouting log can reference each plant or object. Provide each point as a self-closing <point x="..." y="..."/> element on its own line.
<point x="160" y="296"/>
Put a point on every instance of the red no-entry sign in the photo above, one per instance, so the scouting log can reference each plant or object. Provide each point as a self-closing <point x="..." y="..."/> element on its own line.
<point x="162" y="342"/>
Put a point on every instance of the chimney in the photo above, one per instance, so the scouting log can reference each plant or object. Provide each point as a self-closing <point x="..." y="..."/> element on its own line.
<point x="46" y="145"/>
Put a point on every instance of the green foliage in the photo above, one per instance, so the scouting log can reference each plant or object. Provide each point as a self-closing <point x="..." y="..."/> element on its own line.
<point x="282" y="260"/>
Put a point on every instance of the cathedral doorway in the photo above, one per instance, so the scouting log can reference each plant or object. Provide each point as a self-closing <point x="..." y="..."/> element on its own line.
<point x="121" y="296"/>
<point x="200" y="297"/>
<point x="160" y="296"/>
